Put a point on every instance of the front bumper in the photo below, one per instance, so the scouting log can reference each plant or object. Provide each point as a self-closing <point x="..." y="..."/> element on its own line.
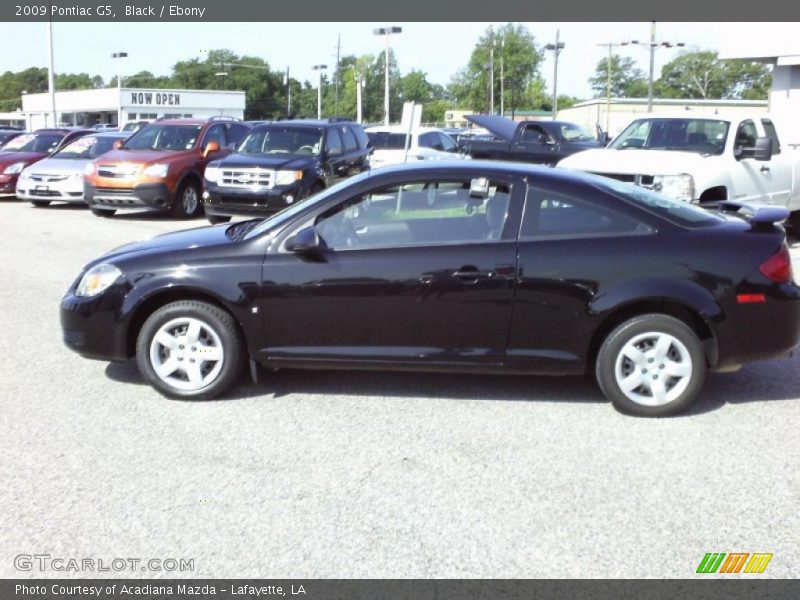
<point x="156" y="196"/>
<point x="8" y="184"/>
<point x="229" y="201"/>
<point x="93" y="327"/>
<point x="66" y="191"/>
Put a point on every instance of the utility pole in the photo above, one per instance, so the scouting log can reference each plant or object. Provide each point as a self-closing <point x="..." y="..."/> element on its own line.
<point x="611" y="45"/>
<point x="502" y="77"/>
<point x="556" y="49"/>
<point x="386" y="31"/>
<point x="119" y="55"/>
<point x="654" y="45"/>
<point x="319" y="69"/>
<point x="288" y="94"/>
<point x="336" y="73"/>
<point x="359" y="85"/>
<point x="51" y="86"/>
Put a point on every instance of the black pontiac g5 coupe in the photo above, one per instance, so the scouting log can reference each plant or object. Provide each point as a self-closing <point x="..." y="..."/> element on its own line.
<point x="470" y="266"/>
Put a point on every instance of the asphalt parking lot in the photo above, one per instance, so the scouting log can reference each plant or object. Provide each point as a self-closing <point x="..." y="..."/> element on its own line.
<point x="335" y="474"/>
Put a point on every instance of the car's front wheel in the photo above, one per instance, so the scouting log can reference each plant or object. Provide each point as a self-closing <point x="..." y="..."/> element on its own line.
<point x="102" y="212"/>
<point x="186" y="204"/>
<point x="652" y="365"/>
<point x="190" y="350"/>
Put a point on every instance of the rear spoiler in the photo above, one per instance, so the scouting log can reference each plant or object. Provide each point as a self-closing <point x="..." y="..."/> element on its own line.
<point x="760" y="216"/>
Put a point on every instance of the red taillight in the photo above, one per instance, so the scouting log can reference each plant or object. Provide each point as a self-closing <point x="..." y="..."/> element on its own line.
<point x="778" y="267"/>
<point x="751" y="298"/>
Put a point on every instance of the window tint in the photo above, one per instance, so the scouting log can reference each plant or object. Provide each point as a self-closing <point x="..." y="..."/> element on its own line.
<point x="350" y="143"/>
<point x="769" y="129"/>
<point x="550" y="214"/>
<point x="531" y="133"/>
<point x="704" y="136"/>
<point x="158" y="136"/>
<point x="236" y="133"/>
<point x="361" y="136"/>
<point x="428" y="140"/>
<point x="383" y="140"/>
<point x="419" y="213"/>
<point x="333" y="141"/>
<point x="448" y="145"/>
<point x="215" y="134"/>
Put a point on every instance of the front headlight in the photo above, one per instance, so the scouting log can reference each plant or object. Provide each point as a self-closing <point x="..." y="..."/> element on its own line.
<point x="287" y="177"/>
<point x="97" y="279"/>
<point x="25" y="175"/>
<point x="156" y="170"/>
<point x="88" y="169"/>
<point x="679" y="187"/>
<point x="15" y="168"/>
<point x="213" y="174"/>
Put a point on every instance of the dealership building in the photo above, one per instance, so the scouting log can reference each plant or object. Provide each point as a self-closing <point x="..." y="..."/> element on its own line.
<point x="86" y="108"/>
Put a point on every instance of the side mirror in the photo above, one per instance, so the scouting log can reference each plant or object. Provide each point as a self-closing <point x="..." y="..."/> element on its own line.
<point x="763" y="148"/>
<point x="305" y="241"/>
<point x="603" y="138"/>
<point x="211" y="146"/>
<point x="117" y="144"/>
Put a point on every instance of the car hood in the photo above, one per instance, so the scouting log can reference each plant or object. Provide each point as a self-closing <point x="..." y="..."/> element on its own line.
<point x="201" y="237"/>
<point x="60" y="166"/>
<point x="9" y="158"/>
<point x="140" y="156"/>
<point x="264" y="161"/>
<point x="634" y="162"/>
<point x="499" y="126"/>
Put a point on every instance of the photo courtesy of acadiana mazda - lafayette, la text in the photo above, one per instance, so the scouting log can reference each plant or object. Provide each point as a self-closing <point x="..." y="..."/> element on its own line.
<point x="160" y="167"/>
<point x="60" y="176"/>
<point x="29" y="148"/>
<point x="470" y="266"/>
<point x="281" y="163"/>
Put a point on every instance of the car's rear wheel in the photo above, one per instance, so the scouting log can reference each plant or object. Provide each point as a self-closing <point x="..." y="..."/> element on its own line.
<point x="652" y="365"/>
<point x="217" y="219"/>
<point x="102" y="212"/>
<point x="40" y="203"/>
<point x="186" y="204"/>
<point x="190" y="350"/>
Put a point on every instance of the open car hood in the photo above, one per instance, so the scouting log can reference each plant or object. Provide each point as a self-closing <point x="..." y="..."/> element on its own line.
<point x="499" y="126"/>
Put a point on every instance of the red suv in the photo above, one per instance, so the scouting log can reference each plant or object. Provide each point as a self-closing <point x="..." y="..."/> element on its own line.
<point x="160" y="166"/>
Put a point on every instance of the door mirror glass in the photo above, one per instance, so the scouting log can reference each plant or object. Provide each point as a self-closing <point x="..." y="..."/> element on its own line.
<point x="305" y="240"/>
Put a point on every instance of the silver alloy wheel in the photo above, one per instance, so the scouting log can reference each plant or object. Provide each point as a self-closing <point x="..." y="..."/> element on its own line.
<point x="187" y="354"/>
<point x="653" y="369"/>
<point x="189" y="200"/>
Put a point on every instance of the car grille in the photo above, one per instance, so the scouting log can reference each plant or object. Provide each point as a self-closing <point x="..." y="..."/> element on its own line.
<point x="262" y="178"/>
<point x="114" y="191"/>
<point x="45" y="178"/>
<point x="642" y="180"/>
<point x="117" y="171"/>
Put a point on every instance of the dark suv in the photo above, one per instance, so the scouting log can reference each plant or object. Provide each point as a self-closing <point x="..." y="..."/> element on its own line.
<point x="282" y="162"/>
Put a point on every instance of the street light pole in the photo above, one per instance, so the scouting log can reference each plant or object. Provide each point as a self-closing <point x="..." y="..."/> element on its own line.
<point x="556" y="49"/>
<point x="502" y="77"/>
<point x="611" y="45"/>
<point x="119" y="55"/>
<point x="51" y="86"/>
<point x="654" y="45"/>
<point x="319" y="69"/>
<point x="386" y="31"/>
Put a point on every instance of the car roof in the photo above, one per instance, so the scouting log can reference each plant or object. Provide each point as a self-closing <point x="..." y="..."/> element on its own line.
<point x="199" y="122"/>
<point x="111" y="134"/>
<point x="64" y="130"/>
<point x="401" y="129"/>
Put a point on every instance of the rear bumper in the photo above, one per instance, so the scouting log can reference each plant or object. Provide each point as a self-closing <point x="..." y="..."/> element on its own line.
<point x="155" y="196"/>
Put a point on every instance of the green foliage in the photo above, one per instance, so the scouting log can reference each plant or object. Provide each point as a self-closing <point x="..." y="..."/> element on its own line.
<point x="701" y="74"/>
<point x="627" y="81"/>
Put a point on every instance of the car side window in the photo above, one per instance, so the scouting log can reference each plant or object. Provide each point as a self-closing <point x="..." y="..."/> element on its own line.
<point x="333" y="141"/>
<point x="216" y="134"/>
<point x="532" y="134"/>
<point x="769" y="129"/>
<point x="419" y="213"/>
<point x="549" y="214"/>
<point x="361" y="136"/>
<point x="350" y="143"/>
<point x="448" y="145"/>
<point x="235" y="134"/>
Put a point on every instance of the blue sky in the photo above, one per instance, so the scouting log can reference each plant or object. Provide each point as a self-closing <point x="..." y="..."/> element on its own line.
<point x="440" y="49"/>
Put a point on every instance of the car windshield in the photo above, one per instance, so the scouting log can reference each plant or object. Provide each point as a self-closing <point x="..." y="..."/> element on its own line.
<point x="34" y="142"/>
<point x="162" y="136"/>
<point x="575" y="133"/>
<point x="704" y="136"/>
<point x="677" y="211"/>
<point x="7" y="135"/>
<point x="283" y="140"/>
<point x="384" y="140"/>
<point x="87" y="147"/>
<point x="251" y="229"/>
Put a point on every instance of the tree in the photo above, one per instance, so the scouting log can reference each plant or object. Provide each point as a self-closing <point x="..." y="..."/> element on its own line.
<point x="515" y="47"/>
<point x="627" y="81"/>
<point x="701" y="74"/>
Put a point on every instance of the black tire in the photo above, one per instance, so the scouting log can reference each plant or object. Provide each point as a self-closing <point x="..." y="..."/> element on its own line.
<point x="217" y="219"/>
<point x="223" y="325"/>
<point x="645" y="330"/>
<point x="182" y="206"/>
<point x="316" y="187"/>
<point x="40" y="203"/>
<point x="102" y="212"/>
<point x="793" y="224"/>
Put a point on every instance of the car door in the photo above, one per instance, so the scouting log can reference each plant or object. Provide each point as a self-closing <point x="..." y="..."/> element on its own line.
<point x="747" y="173"/>
<point x="779" y="169"/>
<point x="352" y="154"/>
<point x="533" y="144"/>
<point x="334" y="162"/>
<point x="412" y="270"/>
<point x="572" y="242"/>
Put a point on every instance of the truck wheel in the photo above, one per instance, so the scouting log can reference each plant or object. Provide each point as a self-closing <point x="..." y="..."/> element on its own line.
<point x="190" y="350"/>
<point x="652" y="366"/>
<point x="102" y="212"/>
<point x="186" y="204"/>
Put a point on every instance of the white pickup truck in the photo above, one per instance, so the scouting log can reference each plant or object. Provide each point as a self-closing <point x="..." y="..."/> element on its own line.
<point x="702" y="158"/>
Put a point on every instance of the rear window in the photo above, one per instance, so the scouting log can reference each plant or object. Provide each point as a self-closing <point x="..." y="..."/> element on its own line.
<point x="677" y="211"/>
<point x="383" y="140"/>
